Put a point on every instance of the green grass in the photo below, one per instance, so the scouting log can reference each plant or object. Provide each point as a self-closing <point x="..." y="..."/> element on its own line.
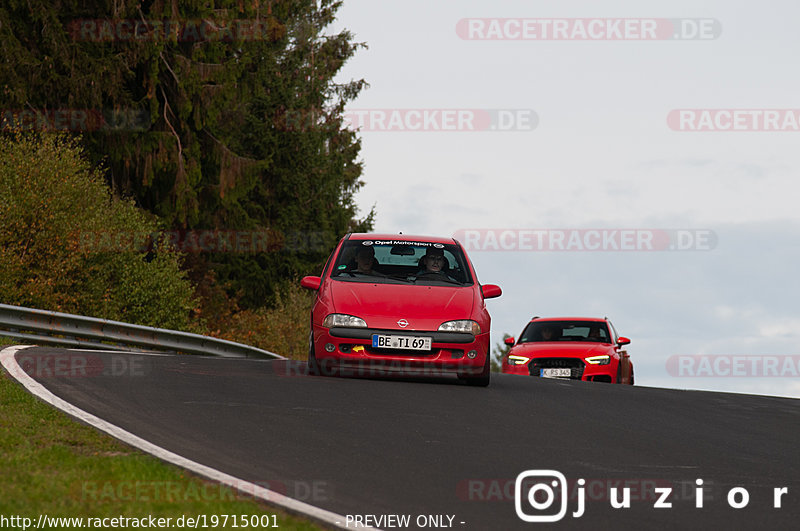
<point x="7" y="341"/>
<point x="50" y="464"/>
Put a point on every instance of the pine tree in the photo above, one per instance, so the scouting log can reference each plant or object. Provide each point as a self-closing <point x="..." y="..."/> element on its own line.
<point x="211" y="114"/>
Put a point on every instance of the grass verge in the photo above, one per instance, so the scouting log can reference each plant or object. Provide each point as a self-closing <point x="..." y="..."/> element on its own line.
<point x="52" y="465"/>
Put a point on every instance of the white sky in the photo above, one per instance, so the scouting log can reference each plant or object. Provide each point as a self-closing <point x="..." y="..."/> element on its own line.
<point x="602" y="156"/>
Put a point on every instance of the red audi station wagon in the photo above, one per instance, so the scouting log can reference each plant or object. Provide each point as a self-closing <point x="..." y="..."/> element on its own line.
<point x="394" y="303"/>
<point x="576" y="348"/>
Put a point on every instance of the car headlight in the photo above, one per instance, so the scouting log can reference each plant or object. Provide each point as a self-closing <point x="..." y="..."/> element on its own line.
<point x="518" y="360"/>
<point x="598" y="360"/>
<point x="343" y="320"/>
<point x="467" y="326"/>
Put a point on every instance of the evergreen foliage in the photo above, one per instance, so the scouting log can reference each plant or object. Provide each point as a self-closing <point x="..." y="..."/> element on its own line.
<point x="216" y="114"/>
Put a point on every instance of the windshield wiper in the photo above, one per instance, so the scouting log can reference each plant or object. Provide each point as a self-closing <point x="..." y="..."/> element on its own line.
<point x="404" y="278"/>
<point x="438" y="278"/>
<point x="450" y="281"/>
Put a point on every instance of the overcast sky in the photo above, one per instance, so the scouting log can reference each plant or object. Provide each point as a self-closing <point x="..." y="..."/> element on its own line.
<point x="592" y="148"/>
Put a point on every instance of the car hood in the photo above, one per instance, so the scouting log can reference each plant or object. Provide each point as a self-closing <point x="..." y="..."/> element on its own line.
<point x="383" y="305"/>
<point x="568" y="349"/>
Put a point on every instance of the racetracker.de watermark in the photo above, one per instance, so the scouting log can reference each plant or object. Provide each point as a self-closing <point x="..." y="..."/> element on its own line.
<point x="180" y="30"/>
<point x="80" y="364"/>
<point x="588" y="29"/>
<point x="582" y="240"/>
<point x="316" y="490"/>
<point x="594" y="490"/>
<point x="734" y="120"/>
<point x="75" y="120"/>
<point x="364" y="368"/>
<point x="737" y="365"/>
<point x="205" y="241"/>
<point x="442" y="120"/>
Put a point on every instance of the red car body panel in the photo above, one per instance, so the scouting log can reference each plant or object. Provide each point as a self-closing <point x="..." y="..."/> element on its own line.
<point x="399" y="309"/>
<point x="543" y="354"/>
<point x="381" y="305"/>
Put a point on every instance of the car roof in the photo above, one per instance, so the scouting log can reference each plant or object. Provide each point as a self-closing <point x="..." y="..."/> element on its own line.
<point x="591" y="319"/>
<point x="400" y="237"/>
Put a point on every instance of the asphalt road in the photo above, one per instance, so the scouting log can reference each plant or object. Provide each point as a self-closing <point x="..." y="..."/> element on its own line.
<point x="378" y="446"/>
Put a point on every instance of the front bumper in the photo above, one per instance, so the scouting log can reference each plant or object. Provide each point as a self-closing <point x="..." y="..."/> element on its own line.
<point x="351" y="348"/>
<point x="579" y="369"/>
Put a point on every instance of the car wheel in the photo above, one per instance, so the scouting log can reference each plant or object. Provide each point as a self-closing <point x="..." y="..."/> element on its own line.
<point x="482" y="380"/>
<point x="315" y="368"/>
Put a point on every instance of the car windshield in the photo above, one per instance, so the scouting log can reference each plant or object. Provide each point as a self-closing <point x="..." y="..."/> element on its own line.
<point x="402" y="262"/>
<point x="591" y="331"/>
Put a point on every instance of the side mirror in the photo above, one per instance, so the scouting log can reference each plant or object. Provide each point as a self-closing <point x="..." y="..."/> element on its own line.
<point x="490" y="291"/>
<point x="623" y="341"/>
<point x="509" y="341"/>
<point x="311" y="282"/>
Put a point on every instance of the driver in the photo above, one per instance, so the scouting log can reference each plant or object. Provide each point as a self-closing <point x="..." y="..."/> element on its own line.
<point x="595" y="335"/>
<point x="548" y="333"/>
<point x="436" y="265"/>
<point x="434" y="260"/>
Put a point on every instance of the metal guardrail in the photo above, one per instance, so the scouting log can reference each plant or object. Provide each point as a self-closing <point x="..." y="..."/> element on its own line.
<point x="54" y="328"/>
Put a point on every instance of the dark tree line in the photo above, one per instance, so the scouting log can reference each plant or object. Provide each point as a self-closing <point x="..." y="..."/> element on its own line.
<point x="211" y="114"/>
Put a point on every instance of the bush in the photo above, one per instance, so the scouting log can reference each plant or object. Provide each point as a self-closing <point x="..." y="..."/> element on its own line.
<point x="282" y="329"/>
<point x="58" y="220"/>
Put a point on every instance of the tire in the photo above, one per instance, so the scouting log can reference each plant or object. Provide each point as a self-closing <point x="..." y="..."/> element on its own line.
<point x="619" y="375"/>
<point x="313" y="365"/>
<point x="315" y="368"/>
<point x="482" y="380"/>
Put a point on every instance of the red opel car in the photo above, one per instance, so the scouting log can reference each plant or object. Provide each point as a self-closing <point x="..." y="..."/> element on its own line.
<point x="400" y="304"/>
<point x="576" y="348"/>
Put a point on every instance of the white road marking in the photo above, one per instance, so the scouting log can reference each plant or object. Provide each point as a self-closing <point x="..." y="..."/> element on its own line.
<point x="8" y="361"/>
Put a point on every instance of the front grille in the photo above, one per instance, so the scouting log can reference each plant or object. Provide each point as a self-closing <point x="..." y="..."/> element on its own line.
<point x="576" y="366"/>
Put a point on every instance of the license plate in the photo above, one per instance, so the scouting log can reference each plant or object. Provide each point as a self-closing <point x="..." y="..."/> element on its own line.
<point x="401" y="342"/>
<point x="555" y="373"/>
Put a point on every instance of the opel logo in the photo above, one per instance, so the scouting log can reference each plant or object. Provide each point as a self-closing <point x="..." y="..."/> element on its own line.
<point x="402" y="323"/>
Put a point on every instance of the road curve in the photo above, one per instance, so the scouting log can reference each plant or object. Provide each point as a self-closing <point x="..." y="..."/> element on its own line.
<point x="433" y="449"/>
